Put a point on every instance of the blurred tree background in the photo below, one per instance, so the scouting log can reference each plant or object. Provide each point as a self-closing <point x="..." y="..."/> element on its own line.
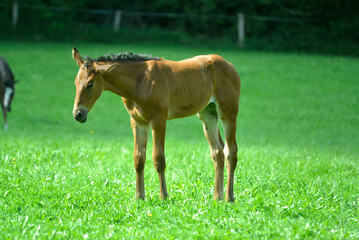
<point x="318" y="26"/>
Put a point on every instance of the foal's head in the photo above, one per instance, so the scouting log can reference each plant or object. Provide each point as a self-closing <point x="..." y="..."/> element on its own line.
<point x="89" y="84"/>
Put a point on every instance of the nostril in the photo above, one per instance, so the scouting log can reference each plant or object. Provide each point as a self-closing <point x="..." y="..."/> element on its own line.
<point x="78" y="116"/>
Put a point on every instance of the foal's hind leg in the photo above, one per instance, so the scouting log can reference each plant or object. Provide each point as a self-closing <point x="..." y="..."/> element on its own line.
<point x="209" y="118"/>
<point x="228" y="110"/>
<point x="228" y="113"/>
<point x="230" y="152"/>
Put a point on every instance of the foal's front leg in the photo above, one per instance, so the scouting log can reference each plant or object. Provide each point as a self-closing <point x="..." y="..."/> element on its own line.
<point x="140" y="135"/>
<point x="159" y="161"/>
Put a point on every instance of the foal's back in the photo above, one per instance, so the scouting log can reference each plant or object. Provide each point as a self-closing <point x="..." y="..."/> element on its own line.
<point x="193" y="83"/>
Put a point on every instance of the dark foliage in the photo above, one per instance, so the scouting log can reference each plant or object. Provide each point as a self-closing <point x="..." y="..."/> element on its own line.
<point x="320" y="25"/>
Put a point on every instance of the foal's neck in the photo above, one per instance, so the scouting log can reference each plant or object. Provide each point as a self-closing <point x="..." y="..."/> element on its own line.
<point x="123" y="78"/>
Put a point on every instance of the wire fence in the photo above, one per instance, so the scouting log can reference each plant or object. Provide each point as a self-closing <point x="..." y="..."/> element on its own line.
<point x="236" y="27"/>
<point x="153" y="14"/>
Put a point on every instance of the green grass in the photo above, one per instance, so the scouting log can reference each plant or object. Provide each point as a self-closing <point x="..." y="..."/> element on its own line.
<point x="298" y="137"/>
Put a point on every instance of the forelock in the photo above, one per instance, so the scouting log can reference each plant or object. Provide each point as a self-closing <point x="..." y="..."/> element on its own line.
<point x="88" y="66"/>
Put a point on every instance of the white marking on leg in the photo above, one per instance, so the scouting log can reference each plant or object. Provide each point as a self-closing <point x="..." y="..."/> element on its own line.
<point x="8" y="92"/>
<point x="226" y="151"/>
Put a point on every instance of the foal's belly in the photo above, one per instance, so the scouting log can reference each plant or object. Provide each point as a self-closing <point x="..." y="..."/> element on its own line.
<point x="190" y="98"/>
<point x="185" y="107"/>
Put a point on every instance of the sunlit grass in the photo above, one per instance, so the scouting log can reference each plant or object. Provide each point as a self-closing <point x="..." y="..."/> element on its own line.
<point x="298" y="168"/>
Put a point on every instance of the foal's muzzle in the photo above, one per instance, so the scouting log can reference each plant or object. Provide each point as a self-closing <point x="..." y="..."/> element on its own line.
<point x="80" y="114"/>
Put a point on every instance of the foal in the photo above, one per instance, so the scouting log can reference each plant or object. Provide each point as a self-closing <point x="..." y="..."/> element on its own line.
<point x="155" y="90"/>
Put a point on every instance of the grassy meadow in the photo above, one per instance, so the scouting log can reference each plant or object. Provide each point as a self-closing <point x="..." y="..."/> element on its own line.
<point x="297" y="175"/>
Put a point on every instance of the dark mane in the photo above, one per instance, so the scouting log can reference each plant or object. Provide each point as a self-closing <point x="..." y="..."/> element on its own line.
<point x="123" y="57"/>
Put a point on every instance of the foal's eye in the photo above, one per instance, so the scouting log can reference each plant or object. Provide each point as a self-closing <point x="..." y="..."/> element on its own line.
<point x="89" y="85"/>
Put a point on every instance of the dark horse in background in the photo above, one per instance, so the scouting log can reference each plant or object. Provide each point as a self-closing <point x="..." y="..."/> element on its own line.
<point x="7" y="88"/>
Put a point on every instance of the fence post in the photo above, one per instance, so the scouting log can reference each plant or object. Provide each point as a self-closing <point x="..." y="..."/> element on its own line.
<point x="241" y="29"/>
<point x="117" y="20"/>
<point x="15" y="14"/>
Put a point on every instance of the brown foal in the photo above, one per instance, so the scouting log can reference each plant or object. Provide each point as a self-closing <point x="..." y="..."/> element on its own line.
<point x="155" y="90"/>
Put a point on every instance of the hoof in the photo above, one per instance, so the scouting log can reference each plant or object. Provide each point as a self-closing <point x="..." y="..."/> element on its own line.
<point x="164" y="197"/>
<point x="218" y="197"/>
<point x="140" y="197"/>
<point x="229" y="199"/>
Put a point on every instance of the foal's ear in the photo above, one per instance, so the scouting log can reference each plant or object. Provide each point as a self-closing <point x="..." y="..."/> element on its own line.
<point x="77" y="57"/>
<point x="104" y="68"/>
